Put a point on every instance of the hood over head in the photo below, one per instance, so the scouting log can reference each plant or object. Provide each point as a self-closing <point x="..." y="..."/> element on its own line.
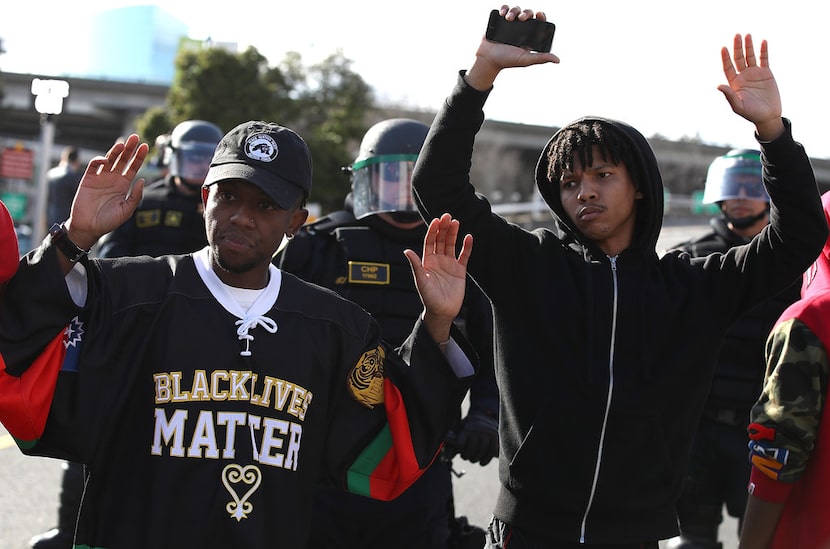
<point x="619" y="142"/>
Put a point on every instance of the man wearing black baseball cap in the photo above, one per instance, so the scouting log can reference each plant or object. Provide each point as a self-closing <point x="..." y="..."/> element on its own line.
<point x="217" y="389"/>
<point x="272" y="157"/>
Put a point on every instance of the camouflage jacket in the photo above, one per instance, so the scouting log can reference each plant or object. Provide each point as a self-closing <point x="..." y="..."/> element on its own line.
<point x="786" y="418"/>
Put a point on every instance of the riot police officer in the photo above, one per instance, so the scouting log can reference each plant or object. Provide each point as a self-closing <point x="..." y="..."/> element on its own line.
<point x="169" y="218"/>
<point x="358" y="252"/>
<point x="719" y="468"/>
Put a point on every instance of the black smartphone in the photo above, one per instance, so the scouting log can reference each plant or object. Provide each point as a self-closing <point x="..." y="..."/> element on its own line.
<point x="532" y="34"/>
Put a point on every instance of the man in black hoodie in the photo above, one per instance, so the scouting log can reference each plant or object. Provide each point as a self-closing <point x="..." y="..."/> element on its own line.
<point x="605" y="351"/>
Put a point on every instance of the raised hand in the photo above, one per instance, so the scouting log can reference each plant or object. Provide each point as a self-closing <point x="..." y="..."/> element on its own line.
<point x="439" y="276"/>
<point x="492" y="57"/>
<point x="104" y="199"/>
<point x="751" y="89"/>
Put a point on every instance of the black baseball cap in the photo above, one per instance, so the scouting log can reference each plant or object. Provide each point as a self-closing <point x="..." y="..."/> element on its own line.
<point x="272" y="157"/>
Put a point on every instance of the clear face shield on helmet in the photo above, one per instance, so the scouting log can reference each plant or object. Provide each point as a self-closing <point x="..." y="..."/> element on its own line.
<point x="191" y="161"/>
<point x="383" y="184"/>
<point x="734" y="177"/>
<point x="742" y="183"/>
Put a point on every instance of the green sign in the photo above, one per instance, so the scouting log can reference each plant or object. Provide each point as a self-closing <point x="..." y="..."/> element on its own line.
<point x="16" y="203"/>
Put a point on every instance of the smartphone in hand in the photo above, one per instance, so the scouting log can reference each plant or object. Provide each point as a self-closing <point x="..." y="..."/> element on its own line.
<point x="533" y="34"/>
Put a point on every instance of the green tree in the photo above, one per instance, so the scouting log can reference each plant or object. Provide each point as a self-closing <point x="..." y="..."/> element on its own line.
<point x="325" y="103"/>
<point x="154" y="122"/>
<point x="329" y="108"/>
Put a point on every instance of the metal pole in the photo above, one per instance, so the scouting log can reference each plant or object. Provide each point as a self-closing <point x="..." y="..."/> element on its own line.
<point x="49" y="96"/>
<point x="47" y="138"/>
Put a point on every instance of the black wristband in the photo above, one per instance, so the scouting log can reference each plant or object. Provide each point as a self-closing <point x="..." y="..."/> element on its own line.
<point x="61" y="240"/>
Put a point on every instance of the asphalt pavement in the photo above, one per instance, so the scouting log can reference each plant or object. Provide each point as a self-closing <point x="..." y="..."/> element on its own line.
<point x="29" y="486"/>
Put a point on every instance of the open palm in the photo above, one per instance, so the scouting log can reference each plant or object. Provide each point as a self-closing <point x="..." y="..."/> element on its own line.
<point x="104" y="199"/>
<point x="439" y="276"/>
<point x="752" y="91"/>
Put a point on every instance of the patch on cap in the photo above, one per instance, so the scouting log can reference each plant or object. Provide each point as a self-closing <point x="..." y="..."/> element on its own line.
<point x="262" y="147"/>
<point x="270" y="156"/>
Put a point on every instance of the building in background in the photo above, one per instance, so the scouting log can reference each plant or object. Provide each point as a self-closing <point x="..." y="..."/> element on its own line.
<point x="154" y="36"/>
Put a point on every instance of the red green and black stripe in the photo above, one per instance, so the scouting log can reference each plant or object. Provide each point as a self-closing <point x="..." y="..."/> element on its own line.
<point x="388" y="465"/>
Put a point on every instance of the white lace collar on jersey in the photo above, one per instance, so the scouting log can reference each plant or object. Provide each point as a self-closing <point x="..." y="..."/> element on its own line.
<point x="255" y="315"/>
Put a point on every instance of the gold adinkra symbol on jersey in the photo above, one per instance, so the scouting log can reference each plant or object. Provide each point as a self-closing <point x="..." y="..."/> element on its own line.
<point x="234" y="474"/>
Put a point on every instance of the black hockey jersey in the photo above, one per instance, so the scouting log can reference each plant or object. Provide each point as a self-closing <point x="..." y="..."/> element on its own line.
<point x="205" y="426"/>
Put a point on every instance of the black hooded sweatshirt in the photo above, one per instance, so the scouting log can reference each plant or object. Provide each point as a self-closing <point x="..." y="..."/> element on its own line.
<point x="604" y="364"/>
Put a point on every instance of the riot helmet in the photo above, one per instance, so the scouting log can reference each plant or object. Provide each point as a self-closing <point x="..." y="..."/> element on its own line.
<point x="382" y="172"/>
<point x="190" y="150"/>
<point x="737" y="174"/>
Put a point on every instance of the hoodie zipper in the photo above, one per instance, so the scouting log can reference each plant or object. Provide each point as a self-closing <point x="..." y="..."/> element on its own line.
<point x="613" y="261"/>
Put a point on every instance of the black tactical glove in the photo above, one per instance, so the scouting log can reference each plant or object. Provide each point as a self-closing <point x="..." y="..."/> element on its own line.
<point x="477" y="439"/>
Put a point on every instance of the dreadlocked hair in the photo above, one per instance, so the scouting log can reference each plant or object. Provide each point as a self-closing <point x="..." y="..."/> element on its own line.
<point x="576" y="142"/>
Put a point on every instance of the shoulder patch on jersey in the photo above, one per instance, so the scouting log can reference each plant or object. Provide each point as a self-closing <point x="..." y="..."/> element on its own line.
<point x="365" y="381"/>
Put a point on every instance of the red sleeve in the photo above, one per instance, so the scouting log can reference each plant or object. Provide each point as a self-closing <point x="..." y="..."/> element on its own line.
<point x="25" y="401"/>
<point x="388" y="465"/>
<point x="9" y="251"/>
<point x="763" y="487"/>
